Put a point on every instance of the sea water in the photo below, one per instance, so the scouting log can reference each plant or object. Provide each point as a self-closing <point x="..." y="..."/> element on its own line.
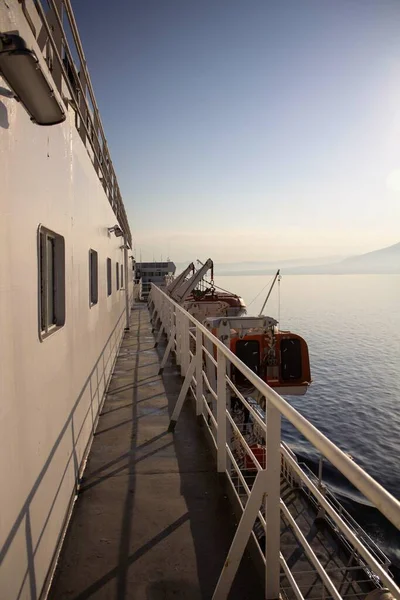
<point x="352" y="326"/>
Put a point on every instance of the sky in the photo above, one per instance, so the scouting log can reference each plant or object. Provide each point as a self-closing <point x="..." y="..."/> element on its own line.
<point x="250" y="129"/>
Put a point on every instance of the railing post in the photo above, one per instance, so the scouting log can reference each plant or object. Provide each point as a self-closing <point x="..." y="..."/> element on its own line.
<point x="178" y="336"/>
<point x="162" y="316"/>
<point x="210" y="371"/>
<point x="221" y="411"/>
<point x="183" y="344"/>
<point x="199" y="372"/>
<point x="161" y="313"/>
<point x="186" y="344"/>
<point x="170" y="319"/>
<point x="125" y="267"/>
<point x="272" y="502"/>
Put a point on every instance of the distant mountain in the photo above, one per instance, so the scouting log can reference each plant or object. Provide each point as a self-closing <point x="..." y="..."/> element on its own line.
<point x="385" y="258"/>
<point x="382" y="261"/>
<point x="258" y="265"/>
<point x="271" y="266"/>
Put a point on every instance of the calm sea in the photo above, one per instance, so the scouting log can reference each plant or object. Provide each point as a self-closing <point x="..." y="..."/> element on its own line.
<point x="352" y="326"/>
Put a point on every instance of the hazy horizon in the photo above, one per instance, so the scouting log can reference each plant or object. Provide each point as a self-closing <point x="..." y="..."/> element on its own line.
<point x="251" y="130"/>
<point x="279" y="261"/>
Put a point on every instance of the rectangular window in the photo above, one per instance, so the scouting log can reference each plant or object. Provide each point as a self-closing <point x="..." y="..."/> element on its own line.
<point x="117" y="275"/>
<point x="109" y="283"/>
<point x="93" y="278"/>
<point x="51" y="259"/>
<point x="122" y="276"/>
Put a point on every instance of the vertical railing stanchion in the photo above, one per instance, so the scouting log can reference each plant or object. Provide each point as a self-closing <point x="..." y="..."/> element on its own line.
<point x="183" y="344"/>
<point x="162" y="312"/>
<point x="210" y="372"/>
<point x="186" y="344"/>
<point x="272" y="502"/>
<point x="199" y="372"/>
<point x="178" y="337"/>
<point x="221" y="411"/>
<point x="163" y="319"/>
<point x="166" y="317"/>
<point x="174" y="331"/>
<point x="170" y="319"/>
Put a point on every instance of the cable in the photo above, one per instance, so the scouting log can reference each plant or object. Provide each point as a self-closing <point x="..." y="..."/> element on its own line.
<point x="219" y="288"/>
<point x="259" y="293"/>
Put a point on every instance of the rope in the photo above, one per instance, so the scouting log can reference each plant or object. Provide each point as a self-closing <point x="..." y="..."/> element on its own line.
<point x="259" y="293"/>
<point x="218" y="287"/>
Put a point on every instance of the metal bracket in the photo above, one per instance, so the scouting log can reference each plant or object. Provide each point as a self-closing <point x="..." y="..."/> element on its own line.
<point x="182" y="395"/>
<point x="168" y="349"/>
<point x="241" y="538"/>
<point x="160" y="332"/>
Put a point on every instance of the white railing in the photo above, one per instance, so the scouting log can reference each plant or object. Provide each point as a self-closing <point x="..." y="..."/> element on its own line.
<point x="205" y="364"/>
<point x="53" y="24"/>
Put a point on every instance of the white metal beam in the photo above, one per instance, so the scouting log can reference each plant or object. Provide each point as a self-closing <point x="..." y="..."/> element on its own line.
<point x="186" y="288"/>
<point x="241" y="538"/>
<point x="182" y="395"/>
<point x="272" y="508"/>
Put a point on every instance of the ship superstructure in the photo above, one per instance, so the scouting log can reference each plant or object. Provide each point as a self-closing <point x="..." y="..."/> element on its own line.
<point x="147" y="273"/>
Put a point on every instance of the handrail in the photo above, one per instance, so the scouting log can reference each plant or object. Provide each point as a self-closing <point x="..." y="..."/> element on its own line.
<point x="371" y="489"/>
<point x="178" y="325"/>
<point x="90" y="128"/>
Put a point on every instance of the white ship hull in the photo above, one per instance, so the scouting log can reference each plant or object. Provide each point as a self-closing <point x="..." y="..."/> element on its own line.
<point x="51" y="390"/>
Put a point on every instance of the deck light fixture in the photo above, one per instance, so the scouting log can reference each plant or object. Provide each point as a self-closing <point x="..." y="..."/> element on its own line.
<point x="21" y="69"/>
<point x="116" y="230"/>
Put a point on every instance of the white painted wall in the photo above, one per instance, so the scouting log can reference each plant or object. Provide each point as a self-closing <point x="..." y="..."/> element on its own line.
<point x="50" y="391"/>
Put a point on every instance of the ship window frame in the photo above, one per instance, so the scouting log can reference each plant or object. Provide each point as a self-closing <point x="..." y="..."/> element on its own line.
<point x="93" y="277"/>
<point x="109" y="278"/>
<point x="122" y="276"/>
<point x="117" y="275"/>
<point x="51" y="273"/>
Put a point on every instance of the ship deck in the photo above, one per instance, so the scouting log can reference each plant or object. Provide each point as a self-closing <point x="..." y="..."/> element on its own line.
<point x="152" y="520"/>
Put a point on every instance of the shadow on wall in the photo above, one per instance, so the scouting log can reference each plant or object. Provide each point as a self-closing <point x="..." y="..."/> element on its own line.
<point x="4" y="122"/>
<point x="95" y="386"/>
<point x="210" y="514"/>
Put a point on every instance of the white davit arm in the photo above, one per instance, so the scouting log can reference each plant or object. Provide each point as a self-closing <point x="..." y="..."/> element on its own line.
<point x="175" y="283"/>
<point x="181" y="292"/>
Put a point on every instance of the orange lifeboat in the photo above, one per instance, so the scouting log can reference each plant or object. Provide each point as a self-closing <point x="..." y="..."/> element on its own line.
<point x="280" y="358"/>
<point x="214" y="303"/>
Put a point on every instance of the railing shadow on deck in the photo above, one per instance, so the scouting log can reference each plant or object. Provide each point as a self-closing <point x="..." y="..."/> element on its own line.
<point x="207" y="509"/>
<point x="125" y="463"/>
<point x="101" y="371"/>
<point x="125" y="558"/>
<point x="212" y="519"/>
